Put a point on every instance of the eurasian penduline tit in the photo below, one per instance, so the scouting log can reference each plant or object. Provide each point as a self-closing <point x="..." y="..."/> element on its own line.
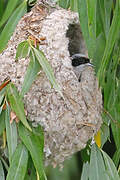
<point x="79" y="63"/>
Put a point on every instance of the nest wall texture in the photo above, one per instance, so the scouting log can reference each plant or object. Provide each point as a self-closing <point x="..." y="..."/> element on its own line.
<point x="69" y="123"/>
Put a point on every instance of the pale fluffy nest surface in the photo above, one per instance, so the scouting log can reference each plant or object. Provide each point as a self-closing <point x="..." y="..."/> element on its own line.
<point x="68" y="124"/>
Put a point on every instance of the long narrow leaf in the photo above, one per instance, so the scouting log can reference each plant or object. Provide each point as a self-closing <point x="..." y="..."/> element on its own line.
<point x="31" y="168"/>
<point x="16" y="104"/>
<point x="2" y="176"/>
<point x="97" y="167"/>
<point x="18" y="166"/>
<point x="11" y="132"/>
<point x="101" y="10"/>
<point x="92" y="7"/>
<point x="105" y="9"/>
<point x="47" y="69"/>
<point x="85" y="171"/>
<point x="9" y="9"/>
<point x="112" y="36"/>
<point x="110" y="167"/>
<point x="116" y="157"/>
<point x="32" y="70"/>
<point x="99" y="51"/>
<point x="23" y="50"/>
<point x="73" y="5"/>
<point x="108" y="8"/>
<point x="1" y="98"/>
<point x="2" y="3"/>
<point x="64" y="3"/>
<point x="83" y="16"/>
<point x="105" y="131"/>
<point x="2" y="122"/>
<point x="11" y="24"/>
<point x="4" y="163"/>
<point x="34" y="143"/>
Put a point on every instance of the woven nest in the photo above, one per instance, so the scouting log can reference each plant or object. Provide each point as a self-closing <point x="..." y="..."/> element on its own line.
<point x="68" y="124"/>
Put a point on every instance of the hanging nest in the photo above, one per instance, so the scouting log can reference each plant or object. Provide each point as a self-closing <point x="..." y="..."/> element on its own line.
<point x="70" y="122"/>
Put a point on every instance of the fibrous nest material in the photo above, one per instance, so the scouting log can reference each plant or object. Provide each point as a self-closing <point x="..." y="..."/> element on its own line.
<point x="70" y="122"/>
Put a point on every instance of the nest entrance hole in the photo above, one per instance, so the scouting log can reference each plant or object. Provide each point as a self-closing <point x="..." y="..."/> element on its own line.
<point x="76" y="42"/>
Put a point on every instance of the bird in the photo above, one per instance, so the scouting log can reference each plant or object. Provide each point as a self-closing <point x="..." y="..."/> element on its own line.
<point x="79" y="63"/>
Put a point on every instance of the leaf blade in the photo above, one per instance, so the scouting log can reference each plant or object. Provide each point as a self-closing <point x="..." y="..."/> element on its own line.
<point x="110" y="167"/>
<point x="11" y="24"/>
<point x="47" y="69"/>
<point x="2" y="176"/>
<point x="8" y="11"/>
<point x="34" y="144"/>
<point x="17" y="104"/>
<point x="112" y="36"/>
<point x="23" y="50"/>
<point x="11" y="132"/>
<point x="32" y="70"/>
<point x="97" y="167"/>
<point x="2" y="122"/>
<point x="18" y="166"/>
<point x="85" y="171"/>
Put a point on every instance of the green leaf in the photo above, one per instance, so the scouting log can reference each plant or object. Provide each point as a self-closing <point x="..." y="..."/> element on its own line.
<point x="99" y="22"/>
<point x="8" y="11"/>
<point x="34" y="143"/>
<point x="1" y="107"/>
<point x="105" y="133"/>
<point x="11" y="24"/>
<point x="92" y="5"/>
<point x="4" y="163"/>
<point x="23" y="50"/>
<point x="85" y="153"/>
<point x="108" y="10"/>
<point x="85" y="171"/>
<point x="64" y="3"/>
<point x="2" y="176"/>
<point x="87" y="19"/>
<point x="110" y="167"/>
<point x="47" y="69"/>
<point x="105" y="9"/>
<point x="83" y="16"/>
<point x="16" y="104"/>
<point x="31" y="173"/>
<point x="73" y="5"/>
<point x="116" y="128"/>
<point x="116" y="157"/>
<point x="1" y="98"/>
<point x="32" y="70"/>
<point x="97" y="167"/>
<point x="112" y="36"/>
<point x="92" y="8"/>
<point x="2" y="3"/>
<point x="99" y="51"/>
<point x="2" y="122"/>
<point x="11" y="132"/>
<point x="18" y="166"/>
<point x="101" y="10"/>
<point x="2" y="92"/>
<point x="115" y="112"/>
<point x="1" y="102"/>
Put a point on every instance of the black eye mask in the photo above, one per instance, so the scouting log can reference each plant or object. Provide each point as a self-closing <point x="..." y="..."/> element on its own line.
<point x="77" y="60"/>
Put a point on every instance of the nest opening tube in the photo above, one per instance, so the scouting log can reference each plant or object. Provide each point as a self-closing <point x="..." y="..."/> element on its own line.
<point x="76" y="41"/>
